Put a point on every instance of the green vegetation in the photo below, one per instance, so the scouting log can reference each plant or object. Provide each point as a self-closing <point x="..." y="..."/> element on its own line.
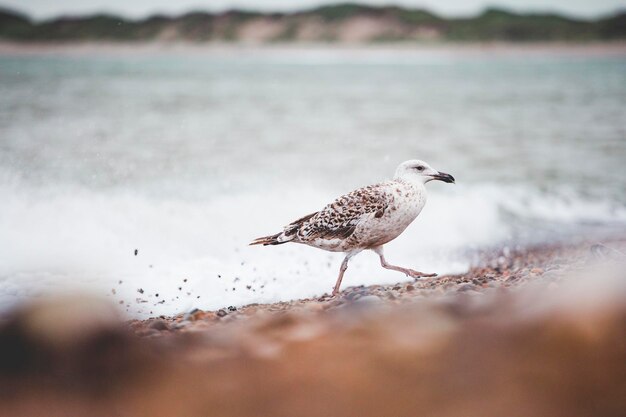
<point x="613" y="27"/>
<point x="496" y="24"/>
<point x="88" y="28"/>
<point x="338" y="12"/>
<point x="393" y="24"/>
<point x="14" y="25"/>
<point x="416" y="16"/>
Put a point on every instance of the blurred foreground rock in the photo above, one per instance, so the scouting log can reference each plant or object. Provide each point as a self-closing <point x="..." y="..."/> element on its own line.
<point x="553" y="347"/>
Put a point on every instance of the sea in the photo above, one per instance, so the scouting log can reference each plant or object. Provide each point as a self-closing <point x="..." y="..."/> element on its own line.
<point x="140" y="174"/>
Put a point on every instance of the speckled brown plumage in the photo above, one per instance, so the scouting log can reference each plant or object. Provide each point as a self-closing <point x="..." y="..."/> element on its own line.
<point x="338" y="220"/>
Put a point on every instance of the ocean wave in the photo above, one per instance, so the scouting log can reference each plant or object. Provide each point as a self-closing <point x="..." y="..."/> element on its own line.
<point x="195" y="254"/>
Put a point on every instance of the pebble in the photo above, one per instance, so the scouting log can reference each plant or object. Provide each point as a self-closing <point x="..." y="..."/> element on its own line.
<point x="148" y="332"/>
<point x="194" y="315"/>
<point x="355" y="295"/>
<point x="221" y="312"/>
<point x="467" y="287"/>
<point x="159" y="325"/>
<point x="367" y="299"/>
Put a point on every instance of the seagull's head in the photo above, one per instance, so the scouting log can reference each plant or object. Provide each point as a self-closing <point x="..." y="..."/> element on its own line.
<point x="419" y="171"/>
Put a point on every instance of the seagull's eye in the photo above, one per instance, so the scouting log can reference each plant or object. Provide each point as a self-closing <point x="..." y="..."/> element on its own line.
<point x="420" y="168"/>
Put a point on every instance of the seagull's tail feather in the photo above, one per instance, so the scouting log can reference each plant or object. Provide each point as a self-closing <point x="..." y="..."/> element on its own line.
<point x="277" y="239"/>
<point x="289" y="234"/>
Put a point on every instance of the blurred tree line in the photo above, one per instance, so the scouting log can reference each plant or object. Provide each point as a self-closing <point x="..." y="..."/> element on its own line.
<point x="392" y="24"/>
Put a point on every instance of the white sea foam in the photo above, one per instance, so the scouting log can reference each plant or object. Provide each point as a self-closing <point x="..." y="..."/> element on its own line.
<point x="56" y="240"/>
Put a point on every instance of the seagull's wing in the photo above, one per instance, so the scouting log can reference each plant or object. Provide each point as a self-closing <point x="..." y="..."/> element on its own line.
<point x="339" y="219"/>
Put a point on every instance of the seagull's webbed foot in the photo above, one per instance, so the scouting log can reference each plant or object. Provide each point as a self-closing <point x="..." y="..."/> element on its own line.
<point x="408" y="272"/>
<point x="417" y="274"/>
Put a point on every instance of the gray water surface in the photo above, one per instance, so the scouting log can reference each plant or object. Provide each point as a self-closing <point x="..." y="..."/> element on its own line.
<point x="188" y="154"/>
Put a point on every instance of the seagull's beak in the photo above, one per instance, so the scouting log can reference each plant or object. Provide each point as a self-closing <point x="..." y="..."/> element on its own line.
<point x="442" y="176"/>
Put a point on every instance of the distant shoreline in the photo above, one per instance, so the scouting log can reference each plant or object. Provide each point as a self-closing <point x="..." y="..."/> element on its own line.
<point x="340" y="22"/>
<point x="501" y="48"/>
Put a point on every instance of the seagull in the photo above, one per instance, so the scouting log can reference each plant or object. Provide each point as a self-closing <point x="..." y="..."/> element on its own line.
<point x="366" y="218"/>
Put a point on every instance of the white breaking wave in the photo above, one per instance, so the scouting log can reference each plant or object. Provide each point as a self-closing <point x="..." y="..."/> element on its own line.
<point x="195" y="254"/>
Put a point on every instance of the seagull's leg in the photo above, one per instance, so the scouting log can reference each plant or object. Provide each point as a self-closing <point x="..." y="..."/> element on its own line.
<point x="409" y="272"/>
<point x="342" y="269"/>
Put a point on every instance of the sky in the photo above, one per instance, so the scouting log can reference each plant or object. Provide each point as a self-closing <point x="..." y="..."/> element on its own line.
<point x="43" y="9"/>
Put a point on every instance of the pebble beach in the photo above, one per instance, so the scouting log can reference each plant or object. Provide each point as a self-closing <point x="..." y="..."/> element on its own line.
<point x="492" y="341"/>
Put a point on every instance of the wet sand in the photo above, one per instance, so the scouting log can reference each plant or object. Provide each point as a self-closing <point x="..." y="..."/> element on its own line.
<point x="533" y="332"/>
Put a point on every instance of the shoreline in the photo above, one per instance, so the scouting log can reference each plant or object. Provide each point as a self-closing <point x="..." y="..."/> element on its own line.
<point x="500" y="48"/>
<point x="498" y="270"/>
